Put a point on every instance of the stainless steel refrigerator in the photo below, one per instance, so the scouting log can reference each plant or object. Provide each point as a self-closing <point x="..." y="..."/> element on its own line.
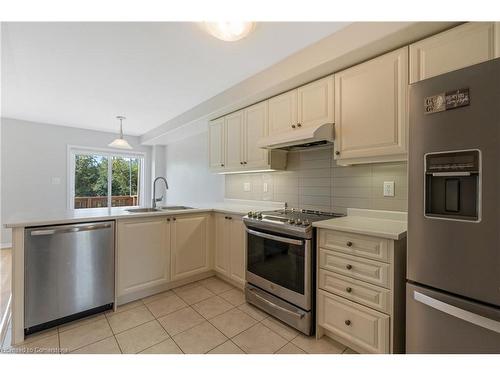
<point x="453" y="288"/>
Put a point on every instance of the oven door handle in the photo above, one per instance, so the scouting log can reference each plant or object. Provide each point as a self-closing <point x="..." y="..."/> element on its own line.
<point x="276" y="238"/>
<point x="278" y="307"/>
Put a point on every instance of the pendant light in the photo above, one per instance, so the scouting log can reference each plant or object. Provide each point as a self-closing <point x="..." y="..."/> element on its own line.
<point x="229" y="31"/>
<point x="120" y="142"/>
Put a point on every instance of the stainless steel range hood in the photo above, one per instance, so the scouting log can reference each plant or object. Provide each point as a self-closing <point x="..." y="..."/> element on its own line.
<point x="311" y="136"/>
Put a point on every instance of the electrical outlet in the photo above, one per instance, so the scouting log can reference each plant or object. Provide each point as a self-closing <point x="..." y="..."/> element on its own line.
<point x="246" y="186"/>
<point x="388" y="188"/>
<point x="265" y="187"/>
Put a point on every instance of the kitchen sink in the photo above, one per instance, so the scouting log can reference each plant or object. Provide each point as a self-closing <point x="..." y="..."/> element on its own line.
<point x="176" y="208"/>
<point x="143" y="209"/>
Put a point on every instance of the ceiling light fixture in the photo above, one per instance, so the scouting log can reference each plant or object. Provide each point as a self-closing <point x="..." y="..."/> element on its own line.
<point x="229" y="31"/>
<point x="120" y="142"/>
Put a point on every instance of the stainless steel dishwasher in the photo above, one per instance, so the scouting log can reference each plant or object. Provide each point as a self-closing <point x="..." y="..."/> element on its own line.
<point x="69" y="273"/>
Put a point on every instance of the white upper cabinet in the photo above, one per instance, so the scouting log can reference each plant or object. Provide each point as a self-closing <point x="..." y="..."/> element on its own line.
<point x="256" y="127"/>
<point x="457" y="48"/>
<point x="315" y="103"/>
<point x="371" y="116"/>
<point x="234" y="139"/>
<point x="233" y="142"/>
<point x="216" y="144"/>
<point x="283" y="112"/>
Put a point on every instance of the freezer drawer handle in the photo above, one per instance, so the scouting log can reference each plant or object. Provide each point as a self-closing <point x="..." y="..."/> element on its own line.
<point x="465" y="315"/>
<point x="69" y="229"/>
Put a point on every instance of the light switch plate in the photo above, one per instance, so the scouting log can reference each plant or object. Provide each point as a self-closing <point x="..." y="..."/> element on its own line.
<point x="246" y="186"/>
<point x="388" y="188"/>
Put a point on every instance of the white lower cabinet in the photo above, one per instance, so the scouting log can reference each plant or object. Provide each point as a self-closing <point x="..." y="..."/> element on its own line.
<point x="361" y="291"/>
<point x="154" y="252"/>
<point x="230" y="247"/>
<point x="143" y="254"/>
<point x="189" y="245"/>
<point x="366" y="328"/>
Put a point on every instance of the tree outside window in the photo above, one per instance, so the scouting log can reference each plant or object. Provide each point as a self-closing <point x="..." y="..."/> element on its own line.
<point x="97" y="174"/>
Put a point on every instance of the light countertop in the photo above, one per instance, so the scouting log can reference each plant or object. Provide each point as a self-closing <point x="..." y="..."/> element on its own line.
<point x="386" y="224"/>
<point x="229" y="206"/>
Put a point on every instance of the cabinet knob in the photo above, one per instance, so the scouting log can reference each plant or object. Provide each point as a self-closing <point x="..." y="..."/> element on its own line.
<point x="174" y="219"/>
<point x="299" y="125"/>
<point x="244" y="162"/>
<point x="293" y="126"/>
<point x="168" y="219"/>
<point x="348" y="289"/>
<point x="337" y="152"/>
<point x="347" y="322"/>
<point x="241" y="162"/>
<point x="348" y="266"/>
<point x="221" y="164"/>
<point x="349" y="243"/>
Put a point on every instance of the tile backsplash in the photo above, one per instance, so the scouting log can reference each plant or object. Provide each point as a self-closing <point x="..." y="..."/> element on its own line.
<point x="313" y="180"/>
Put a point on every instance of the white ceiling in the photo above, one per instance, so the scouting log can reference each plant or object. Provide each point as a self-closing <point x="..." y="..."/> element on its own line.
<point x="84" y="74"/>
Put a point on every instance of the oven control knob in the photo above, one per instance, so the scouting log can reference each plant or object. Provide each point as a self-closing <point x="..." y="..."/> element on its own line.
<point x="291" y="221"/>
<point x="250" y="214"/>
<point x="298" y="222"/>
<point x="306" y="223"/>
<point x="259" y="215"/>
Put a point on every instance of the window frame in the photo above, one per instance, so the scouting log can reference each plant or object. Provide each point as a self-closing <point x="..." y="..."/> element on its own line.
<point x="109" y="153"/>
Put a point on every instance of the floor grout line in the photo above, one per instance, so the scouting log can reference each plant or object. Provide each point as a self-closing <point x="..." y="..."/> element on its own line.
<point x="172" y="337"/>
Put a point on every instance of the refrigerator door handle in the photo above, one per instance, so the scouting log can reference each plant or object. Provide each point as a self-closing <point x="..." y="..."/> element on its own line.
<point x="465" y="315"/>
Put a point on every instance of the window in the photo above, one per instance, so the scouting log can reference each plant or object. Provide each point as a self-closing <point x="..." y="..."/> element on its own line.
<point x="105" y="179"/>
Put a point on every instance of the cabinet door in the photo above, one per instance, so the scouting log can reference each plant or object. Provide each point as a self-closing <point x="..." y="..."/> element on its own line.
<point x="216" y="144"/>
<point x="315" y="103"/>
<point x="256" y="127"/>
<point x="189" y="246"/>
<point x="237" y="249"/>
<point x="462" y="46"/>
<point x="371" y="108"/>
<point x="222" y="246"/>
<point x="143" y="254"/>
<point x="234" y="135"/>
<point x="283" y="112"/>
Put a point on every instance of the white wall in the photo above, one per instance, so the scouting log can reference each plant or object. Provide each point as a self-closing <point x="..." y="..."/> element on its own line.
<point x="188" y="176"/>
<point x="32" y="154"/>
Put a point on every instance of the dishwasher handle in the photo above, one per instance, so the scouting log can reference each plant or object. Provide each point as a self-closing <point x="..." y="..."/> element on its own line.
<point x="70" y="229"/>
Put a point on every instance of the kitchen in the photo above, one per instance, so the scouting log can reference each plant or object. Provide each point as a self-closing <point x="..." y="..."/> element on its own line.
<point x="289" y="212"/>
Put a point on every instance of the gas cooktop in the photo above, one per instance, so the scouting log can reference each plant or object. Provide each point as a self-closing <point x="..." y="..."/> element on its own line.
<point x="289" y="220"/>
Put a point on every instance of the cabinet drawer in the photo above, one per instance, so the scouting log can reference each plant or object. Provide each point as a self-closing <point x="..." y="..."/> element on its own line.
<point x="362" y="269"/>
<point x="358" y="291"/>
<point x="365" y="328"/>
<point x="355" y="244"/>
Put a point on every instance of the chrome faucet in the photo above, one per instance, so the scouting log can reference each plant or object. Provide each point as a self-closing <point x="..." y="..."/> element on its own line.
<point x="154" y="200"/>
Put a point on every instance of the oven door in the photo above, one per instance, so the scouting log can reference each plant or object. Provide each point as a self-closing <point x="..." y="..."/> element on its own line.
<point x="280" y="265"/>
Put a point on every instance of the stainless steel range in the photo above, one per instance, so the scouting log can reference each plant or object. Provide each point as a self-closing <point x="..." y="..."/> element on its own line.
<point x="280" y="264"/>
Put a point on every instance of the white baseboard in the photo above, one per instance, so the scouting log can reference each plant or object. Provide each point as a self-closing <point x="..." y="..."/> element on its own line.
<point x="7" y="245"/>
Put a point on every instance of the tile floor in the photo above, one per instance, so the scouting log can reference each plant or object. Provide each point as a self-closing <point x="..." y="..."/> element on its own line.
<point x="208" y="316"/>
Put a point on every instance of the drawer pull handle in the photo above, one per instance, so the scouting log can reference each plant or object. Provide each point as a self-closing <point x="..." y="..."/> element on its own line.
<point x="348" y="289"/>
<point x="349" y="243"/>
<point x="348" y="266"/>
<point x="347" y="322"/>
